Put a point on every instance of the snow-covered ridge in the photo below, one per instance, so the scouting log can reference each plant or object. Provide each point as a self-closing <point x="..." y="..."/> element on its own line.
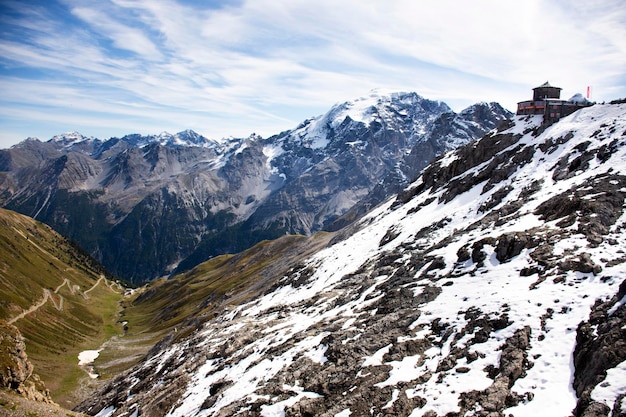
<point x="463" y="295"/>
<point x="364" y="109"/>
<point x="70" y="138"/>
<point x="367" y="108"/>
<point x="185" y="138"/>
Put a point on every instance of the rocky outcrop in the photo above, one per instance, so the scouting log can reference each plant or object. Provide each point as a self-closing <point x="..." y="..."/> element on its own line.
<point x="594" y="207"/>
<point x="513" y="364"/>
<point x="600" y="345"/>
<point x="16" y="372"/>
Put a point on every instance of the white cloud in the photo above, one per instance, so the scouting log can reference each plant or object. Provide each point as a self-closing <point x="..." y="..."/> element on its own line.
<point x="122" y="36"/>
<point x="265" y="65"/>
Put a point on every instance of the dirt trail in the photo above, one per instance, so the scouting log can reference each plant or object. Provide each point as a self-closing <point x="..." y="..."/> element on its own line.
<point x="33" y="308"/>
<point x="94" y="286"/>
<point x="47" y="294"/>
<point x="72" y="288"/>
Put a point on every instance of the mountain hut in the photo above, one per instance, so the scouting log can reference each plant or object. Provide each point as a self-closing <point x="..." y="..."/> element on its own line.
<point x="547" y="101"/>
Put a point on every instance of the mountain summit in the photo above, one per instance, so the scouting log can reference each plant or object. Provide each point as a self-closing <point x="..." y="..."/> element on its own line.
<point x="493" y="285"/>
<point x="148" y="205"/>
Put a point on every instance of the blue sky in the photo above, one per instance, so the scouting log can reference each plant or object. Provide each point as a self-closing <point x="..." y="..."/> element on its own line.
<point x="230" y="68"/>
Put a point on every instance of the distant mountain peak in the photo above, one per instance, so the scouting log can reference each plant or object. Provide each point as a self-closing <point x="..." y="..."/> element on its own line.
<point x="67" y="135"/>
<point x="409" y="113"/>
<point x="30" y="139"/>
<point x="478" y="112"/>
<point x="379" y="104"/>
<point x="164" y="135"/>
<point x="70" y="138"/>
<point x="492" y="105"/>
<point x="186" y="137"/>
<point x="189" y="137"/>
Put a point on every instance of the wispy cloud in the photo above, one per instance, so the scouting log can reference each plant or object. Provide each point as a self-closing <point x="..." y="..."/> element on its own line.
<point x="231" y="68"/>
<point x="122" y="36"/>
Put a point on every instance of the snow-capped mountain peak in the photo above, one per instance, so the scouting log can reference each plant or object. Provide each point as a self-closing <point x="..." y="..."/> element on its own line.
<point x="362" y="109"/>
<point x="70" y="138"/>
<point x="189" y="137"/>
<point x="405" y="112"/>
<point x="382" y="107"/>
<point x="186" y="138"/>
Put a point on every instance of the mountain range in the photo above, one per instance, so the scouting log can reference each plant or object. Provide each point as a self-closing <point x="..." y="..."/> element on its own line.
<point x="149" y="206"/>
<point x="491" y="285"/>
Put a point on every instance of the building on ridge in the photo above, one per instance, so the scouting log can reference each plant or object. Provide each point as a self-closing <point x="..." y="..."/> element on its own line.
<point x="547" y="102"/>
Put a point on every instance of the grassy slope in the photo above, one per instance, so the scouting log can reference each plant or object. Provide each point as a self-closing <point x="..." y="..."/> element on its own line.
<point x="12" y="405"/>
<point x="231" y="279"/>
<point x="168" y="304"/>
<point x="34" y="259"/>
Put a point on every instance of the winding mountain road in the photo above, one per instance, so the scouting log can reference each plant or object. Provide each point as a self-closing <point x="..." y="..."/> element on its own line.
<point x="47" y="294"/>
<point x="33" y="308"/>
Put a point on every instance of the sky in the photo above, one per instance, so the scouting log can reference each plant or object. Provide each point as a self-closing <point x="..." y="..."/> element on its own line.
<point x="224" y="68"/>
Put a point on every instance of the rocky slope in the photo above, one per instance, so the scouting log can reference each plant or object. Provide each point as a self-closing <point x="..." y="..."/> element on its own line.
<point x="448" y="131"/>
<point x="598" y="359"/>
<point x="16" y="371"/>
<point x="492" y="286"/>
<point x="146" y="205"/>
<point x="22" y="392"/>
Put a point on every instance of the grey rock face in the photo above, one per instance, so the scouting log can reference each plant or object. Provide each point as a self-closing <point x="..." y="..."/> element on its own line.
<point x="148" y="205"/>
<point x="448" y="131"/>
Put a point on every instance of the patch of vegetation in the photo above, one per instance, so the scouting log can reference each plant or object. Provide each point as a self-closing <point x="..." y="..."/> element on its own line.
<point x="228" y="279"/>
